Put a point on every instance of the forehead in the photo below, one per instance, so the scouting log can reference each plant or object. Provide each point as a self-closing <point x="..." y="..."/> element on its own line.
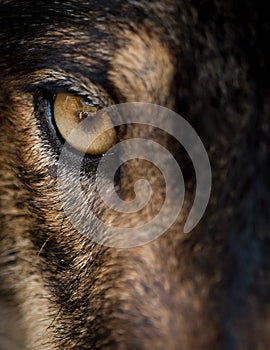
<point x="79" y="36"/>
<point x="40" y="16"/>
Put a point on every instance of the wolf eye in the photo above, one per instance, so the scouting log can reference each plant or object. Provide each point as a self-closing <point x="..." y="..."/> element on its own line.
<point x="70" y="110"/>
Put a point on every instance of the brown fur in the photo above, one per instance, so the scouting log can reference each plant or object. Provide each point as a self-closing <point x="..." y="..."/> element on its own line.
<point x="205" y="290"/>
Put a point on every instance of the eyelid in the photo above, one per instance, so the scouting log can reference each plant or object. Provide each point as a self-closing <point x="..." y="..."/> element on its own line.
<point x="58" y="80"/>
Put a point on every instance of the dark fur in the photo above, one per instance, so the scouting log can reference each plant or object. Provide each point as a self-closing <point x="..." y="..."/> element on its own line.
<point x="205" y="290"/>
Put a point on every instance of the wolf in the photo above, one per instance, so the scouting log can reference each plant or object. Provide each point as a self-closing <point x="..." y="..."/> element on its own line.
<point x="209" y="62"/>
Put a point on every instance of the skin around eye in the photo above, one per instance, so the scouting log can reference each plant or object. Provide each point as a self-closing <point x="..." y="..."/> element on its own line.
<point x="70" y="111"/>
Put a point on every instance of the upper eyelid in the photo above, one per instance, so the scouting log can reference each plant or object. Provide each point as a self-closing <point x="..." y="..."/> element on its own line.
<point x="60" y="87"/>
<point x="61" y="81"/>
<point x="55" y="89"/>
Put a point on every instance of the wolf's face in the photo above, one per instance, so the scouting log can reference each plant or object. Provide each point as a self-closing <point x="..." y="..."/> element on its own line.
<point x="59" y="63"/>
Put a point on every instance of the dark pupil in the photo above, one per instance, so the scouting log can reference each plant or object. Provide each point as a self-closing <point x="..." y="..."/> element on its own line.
<point x="83" y="115"/>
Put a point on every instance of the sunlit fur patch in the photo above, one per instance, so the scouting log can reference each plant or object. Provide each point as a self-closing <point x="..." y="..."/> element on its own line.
<point x="142" y="68"/>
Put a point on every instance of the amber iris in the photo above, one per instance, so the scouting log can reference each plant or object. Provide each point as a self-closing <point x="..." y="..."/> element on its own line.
<point x="96" y="136"/>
